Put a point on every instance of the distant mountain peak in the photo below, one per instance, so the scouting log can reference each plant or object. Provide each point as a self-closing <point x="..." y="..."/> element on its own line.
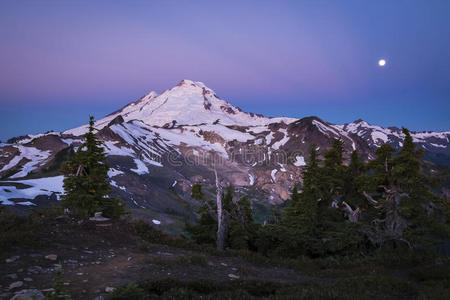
<point x="188" y="82"/>
<point x="359" y="121"/>
<point x="187" y="103"/>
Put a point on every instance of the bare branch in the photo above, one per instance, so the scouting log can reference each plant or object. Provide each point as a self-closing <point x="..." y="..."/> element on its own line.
<point x="353" y="215"/>
<point x="369" y="198"/>
<point x="80" y="170"/>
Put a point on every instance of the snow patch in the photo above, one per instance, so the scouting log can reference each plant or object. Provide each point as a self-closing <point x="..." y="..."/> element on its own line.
<point x="28" y="203"/>
<point x="282" y="169"/>
<point x="281" y="142"/>
<point x="259" y="141"/>
<point x="113" y="183"/>
<point x="299" y="161"/>
<point x="113" y="172"/>
<point x="36" y="157"/>
<point x="273" y="173"/>
<point x="42" y="186"/>
<point x="378" y="135"/>
<point x="324" y="129"/>
<point x="112" y="149"/>
<point x="437" y="145"/>
<point x="251" y="179"/>
<point x="141" y="168"/>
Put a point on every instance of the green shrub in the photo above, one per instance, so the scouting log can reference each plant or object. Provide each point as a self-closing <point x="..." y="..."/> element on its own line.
<point x="153" y="235"/>
<point x="130" y="291"/>
<point x="60" y="292"/>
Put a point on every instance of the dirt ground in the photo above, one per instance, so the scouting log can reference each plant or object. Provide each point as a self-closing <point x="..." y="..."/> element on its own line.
<point x="95" y="257"/>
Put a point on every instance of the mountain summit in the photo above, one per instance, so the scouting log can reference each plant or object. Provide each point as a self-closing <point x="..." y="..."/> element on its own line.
<point x="187" y="103"/>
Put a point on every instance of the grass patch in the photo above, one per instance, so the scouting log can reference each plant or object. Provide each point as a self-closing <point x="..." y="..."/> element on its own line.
<point x="26" y="230"/>
<point x="168" y="261"/>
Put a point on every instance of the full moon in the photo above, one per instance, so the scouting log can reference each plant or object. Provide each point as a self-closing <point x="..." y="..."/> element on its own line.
<point x="382" y="62"/>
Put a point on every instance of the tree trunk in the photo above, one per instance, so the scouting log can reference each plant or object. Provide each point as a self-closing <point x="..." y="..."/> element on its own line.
<point x="395" y="223"/>
<point x="220" y="217"/>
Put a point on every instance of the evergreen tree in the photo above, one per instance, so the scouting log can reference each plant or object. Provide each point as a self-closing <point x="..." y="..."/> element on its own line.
<point x="204" y="232"/>
<point x="245" y="210"/>
<point x="313" y="178"/>
<point x="298" y="231"/>
<point x="356" y="166"/>
<point x="227" y="200"/>
<point x="86" y="180"/>
<point x="382" y="166"/>
<point x="322" y="197"/>
<point x="243" y="229"/>
<point x="403" y="197"/>
<point x="300" y="213"/>
<point x="196" y="192"/>
<point x="354" y="181"/>
<point x="417" y="203"/>
<point x="333" y="171"/>
<point x="334" y="156"/>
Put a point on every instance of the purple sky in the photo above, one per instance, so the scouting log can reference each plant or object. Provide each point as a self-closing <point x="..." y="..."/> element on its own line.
<point x="63" y="60"/>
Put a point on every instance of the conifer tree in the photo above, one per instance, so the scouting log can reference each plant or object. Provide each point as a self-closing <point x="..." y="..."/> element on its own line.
<point x="227" y="199"/>
<point x="301" y="212"/>
<point x="204" y="232"/>
<point x="242" y="230"/>
<point x="86" y="180"/>
<point x="300" y="218"/>
<point x="356" y="166"/>
<point x="354" y="180"/>
<point x="196" y="192"/>
<point x="333" y="171"/>
<point x="245" y="211"/>
<point x="333" y="233"/>
<point x="403" y="197"/>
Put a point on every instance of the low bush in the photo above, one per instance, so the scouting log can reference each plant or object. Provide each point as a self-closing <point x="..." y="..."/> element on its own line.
<point x="130" y="291"/>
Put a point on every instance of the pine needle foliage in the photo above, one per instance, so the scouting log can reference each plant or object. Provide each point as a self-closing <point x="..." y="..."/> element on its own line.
<point x="86" y="181"/>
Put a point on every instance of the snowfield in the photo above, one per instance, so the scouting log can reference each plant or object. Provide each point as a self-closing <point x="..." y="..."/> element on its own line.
<point x="35" y="157"/>
<point x="42" y="186"/>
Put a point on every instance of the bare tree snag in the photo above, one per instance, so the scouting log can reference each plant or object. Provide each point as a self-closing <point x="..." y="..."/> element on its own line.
<point x="220" y="215"/>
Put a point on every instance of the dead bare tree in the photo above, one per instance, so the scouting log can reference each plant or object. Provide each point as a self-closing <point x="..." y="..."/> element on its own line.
<point x="220" y="215"/>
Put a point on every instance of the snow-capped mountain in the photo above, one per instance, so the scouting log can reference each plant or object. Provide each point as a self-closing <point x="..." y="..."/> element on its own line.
<point x="188" y="103"/>
<point x="435" y="144"/>
<point x="159" y="145"/>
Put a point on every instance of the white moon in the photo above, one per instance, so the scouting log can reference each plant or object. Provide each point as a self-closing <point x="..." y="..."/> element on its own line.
<point x="382" y="62"/>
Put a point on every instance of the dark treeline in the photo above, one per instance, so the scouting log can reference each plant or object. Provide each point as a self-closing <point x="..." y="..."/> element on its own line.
<point x="342" y="208"/>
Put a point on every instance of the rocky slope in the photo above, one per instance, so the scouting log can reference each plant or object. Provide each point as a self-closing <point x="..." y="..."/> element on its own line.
<point x="159" y="145"/>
